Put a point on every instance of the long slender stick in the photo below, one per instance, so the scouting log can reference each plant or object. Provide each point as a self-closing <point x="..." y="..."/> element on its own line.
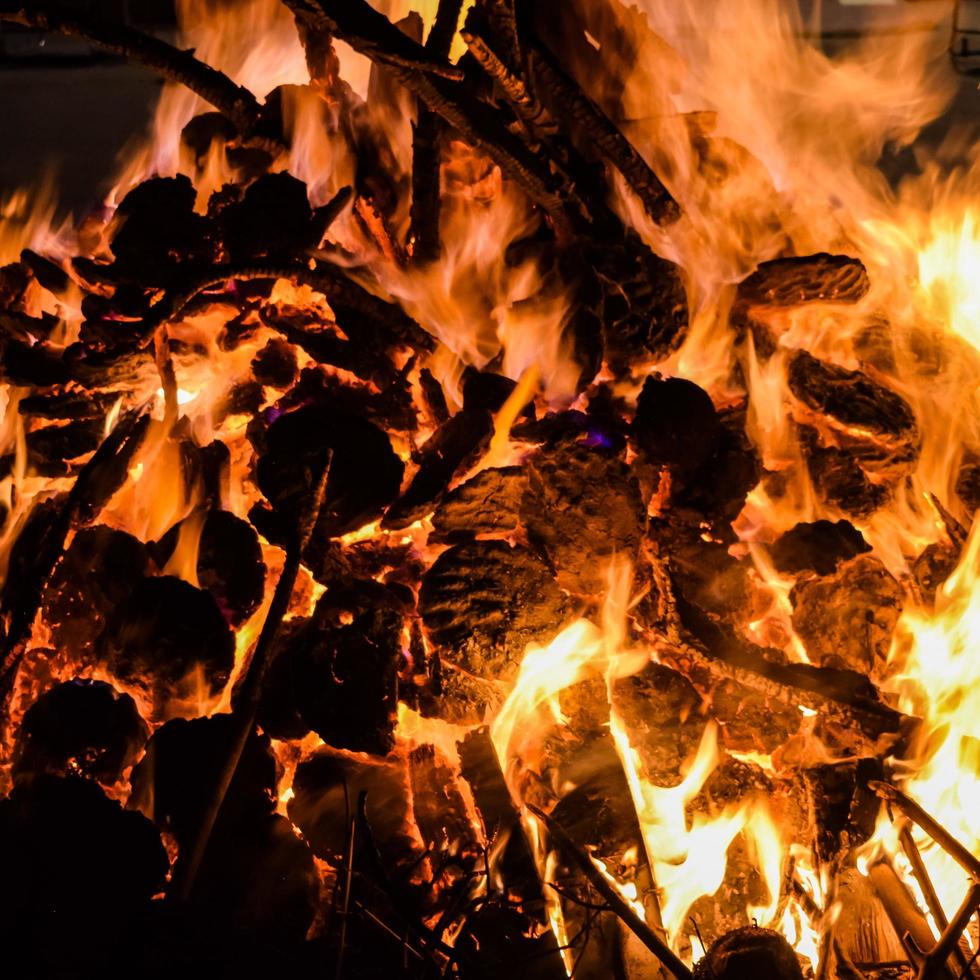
<point x="616" y="902"/>
<point x="244" y="713"/>
<point x="932" y="827"/>
<point x="233" y="101"/>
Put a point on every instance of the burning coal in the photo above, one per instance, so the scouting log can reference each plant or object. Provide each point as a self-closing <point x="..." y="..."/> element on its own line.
<point x="493" y="493"/>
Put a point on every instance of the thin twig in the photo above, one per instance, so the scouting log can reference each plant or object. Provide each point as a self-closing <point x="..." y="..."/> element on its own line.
<point x="617" y="903"/>
<point x="246" y="709"/>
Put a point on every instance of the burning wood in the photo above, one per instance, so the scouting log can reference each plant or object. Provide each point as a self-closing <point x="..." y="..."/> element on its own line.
<point x="461" y="513"/>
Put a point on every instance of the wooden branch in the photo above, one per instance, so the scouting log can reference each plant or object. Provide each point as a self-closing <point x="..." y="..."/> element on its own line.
<point x="477" y="122"/>
<point x="233" y="101"/>
<point x="426" y="138"/>
<point x="603" y="132"/>
<point x="244" y="713"/>
<point x="612" y="897"/>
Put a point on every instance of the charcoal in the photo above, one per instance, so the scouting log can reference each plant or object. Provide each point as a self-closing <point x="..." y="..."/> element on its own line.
<point x="596" y="430"/>
<point x="435" y="398"/>
<point x="365" y="473"/>
<point x="275" y="364"/>
<point x="455" y="445"/>
<point x="676" y="424"/>
<point x="750" y="953"/>
<point x="273" y="221"/>
<point x="847" y="619"/>
<point x="488" y="503"/>
<point x="345" y="681"/>
<point x="50" y="447"/>
<point x="582" y="508"/>
<point x="15" y="278"/>
<point x="158" y="231"/>
<point x="50" y="275"/>
<point x="485" y="391"/>
<point x="843" y="810"/>
<point x="164" y="630"/>
<point x="839" y="479"/>
<point x="257" y="885"/>
<point x="30" y="365"/>
<point x="229" y="563"/>
<point x="933" y="567"/>
<point x="437" y="806"/>
<point x="658" y="706"/>
<point x="278" y="715"/>
<point x="20" y="327"/>
<point x="201" y="132"/>
<point x="67" y="405"/>
<point x="853" y="400"/>
<point x="98" y="572"/>
<point x="483" y="602"/>
<point x="173" y="782"/>
<point x="80" y="727"/>
<point x="968" y="483"/>
<point x="457" y="696"/>
<point x="818" y="547"/>
<point x="327" y="787"/>
<point x="499" y="940"/>
<point x="818" y="278"/>
<point x="78" y="873"/>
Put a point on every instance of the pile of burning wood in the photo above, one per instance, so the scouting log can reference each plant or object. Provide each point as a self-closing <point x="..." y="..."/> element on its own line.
<point x="331" y="646"/>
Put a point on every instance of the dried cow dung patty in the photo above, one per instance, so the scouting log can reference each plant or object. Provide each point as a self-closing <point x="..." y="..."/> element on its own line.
<point x="97" y="573"/>
<point x="854" y="400"/>
<point x="174" y="780"/>
<point x="483" y="602"/>
<point x="582" y="507"/>
<point x="750" y="953"/>
<point x="675" y="424"/>
<point x="817" y="547"/>
<point x="656" y="705"/>
<point x="78" y="872"/>
<point x="488" y="503"/>
<point x="229" y="563"/>
<point x="365" y="474"/>
<point x="82" y="727"/>
<point x="847" y="619"/>
<point x="165" y="629"/>
<point x="800" y="279"/>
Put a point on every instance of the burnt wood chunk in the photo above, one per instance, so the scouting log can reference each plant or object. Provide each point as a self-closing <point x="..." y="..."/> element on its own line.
<point x="229" y="563"/>
<point x="750" y="721"/>
<point x="365" y="473"/>
<point x="488" y="503"/>
<point x="818" y="278"/>
<point x="78" y="867"/>
<point x="818" y="547"/>
<point x="275" y="364"/>
<point x="172" y="783"/>
<point x="486" y="391"/>
<point x="483" y="602"/>
<point x="163" y="632"/>
<point x="80" y="727"/>
<point x="582" y="508"/>
<point x="658" y="707"/>
<point x="98" y="572"/>
<point x="968" y="483"/>
<point x="843" y="810"/>
<point x="750" y="953"/>
<point x="847" y="619"/>
<point x="852" y="399"/>
<point x="453" y="446"/>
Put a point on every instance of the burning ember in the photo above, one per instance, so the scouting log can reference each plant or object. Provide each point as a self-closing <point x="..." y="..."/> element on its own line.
<point x="491" y="494"/>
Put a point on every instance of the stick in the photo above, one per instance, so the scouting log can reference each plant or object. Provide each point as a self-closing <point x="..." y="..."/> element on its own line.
<point x="934" y="965"/>
<point x="233" y="101"/>
<point x="186" y="868"/>
<point x="915" y="813"/>
<point x="615" y="901"/>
